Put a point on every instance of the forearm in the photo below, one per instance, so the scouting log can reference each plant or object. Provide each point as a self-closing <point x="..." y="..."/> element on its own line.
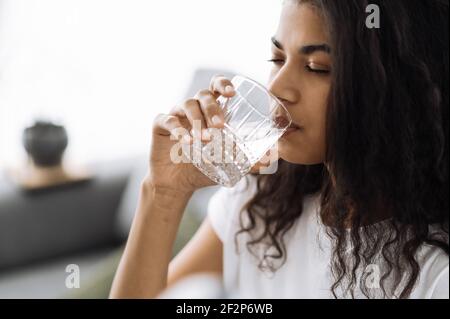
<point x="142" y="272"/>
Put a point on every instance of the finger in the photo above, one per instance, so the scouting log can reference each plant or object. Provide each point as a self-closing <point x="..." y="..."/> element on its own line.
<point x="177" y="110"/>
<point x="271" y="156"/>
<point x="210" y="108"/>
<point x="166" y="125"/>
<point x="257" y="167"/>
<point x="220" y="85"/>
<point x="191" y="108"/>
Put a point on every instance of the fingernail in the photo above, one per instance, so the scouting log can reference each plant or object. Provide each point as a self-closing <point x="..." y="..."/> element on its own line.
<point x="229" y="89"/>
<point x="216" y="120"/>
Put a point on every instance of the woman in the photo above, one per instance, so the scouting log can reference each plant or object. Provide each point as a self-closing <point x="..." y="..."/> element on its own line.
<point x="359" y="204"/>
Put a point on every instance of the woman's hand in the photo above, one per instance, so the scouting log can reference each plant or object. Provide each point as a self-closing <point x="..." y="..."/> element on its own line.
<point x="165" y="192"/>
<point x="178" y="127"/>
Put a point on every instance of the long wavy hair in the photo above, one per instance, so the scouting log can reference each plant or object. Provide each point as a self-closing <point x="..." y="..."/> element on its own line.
<point x="387" y="149"/>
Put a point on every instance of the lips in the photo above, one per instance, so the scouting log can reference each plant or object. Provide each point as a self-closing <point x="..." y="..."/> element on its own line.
<point x="292" y="128"/>
<point x="281" y="121"/>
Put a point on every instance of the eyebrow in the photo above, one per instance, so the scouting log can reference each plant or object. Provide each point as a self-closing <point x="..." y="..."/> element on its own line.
<point x="307" y="49"/>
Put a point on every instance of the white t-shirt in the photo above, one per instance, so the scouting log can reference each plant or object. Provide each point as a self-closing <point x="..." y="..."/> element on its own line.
<point x="306" y="271"/>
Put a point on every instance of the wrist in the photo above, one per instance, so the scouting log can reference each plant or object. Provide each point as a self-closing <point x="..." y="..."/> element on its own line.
<point x="148" y="188"/>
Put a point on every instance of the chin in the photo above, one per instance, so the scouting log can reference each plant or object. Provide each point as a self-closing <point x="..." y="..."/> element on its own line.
<point x="294" y="152"/>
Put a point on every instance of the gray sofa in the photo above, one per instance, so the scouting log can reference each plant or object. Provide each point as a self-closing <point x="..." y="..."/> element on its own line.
<point x="84" y="224"/>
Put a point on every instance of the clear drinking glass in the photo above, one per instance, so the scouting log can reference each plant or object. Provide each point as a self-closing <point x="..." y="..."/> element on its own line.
<point x="254" y="121"/>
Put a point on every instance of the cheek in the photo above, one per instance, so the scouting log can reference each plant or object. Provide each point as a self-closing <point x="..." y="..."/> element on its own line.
<point x="317" y="118"/>
<point x="315" y="130"/>
<point x="315" y="106"/>
<point x="316" y="140"/>
<point x="308" y="147"/>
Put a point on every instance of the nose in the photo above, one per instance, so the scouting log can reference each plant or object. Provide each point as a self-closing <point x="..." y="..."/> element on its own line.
<point x="283" y="86"/>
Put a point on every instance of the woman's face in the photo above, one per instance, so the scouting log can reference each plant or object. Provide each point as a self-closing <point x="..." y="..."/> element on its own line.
<point x="300" y="78"/>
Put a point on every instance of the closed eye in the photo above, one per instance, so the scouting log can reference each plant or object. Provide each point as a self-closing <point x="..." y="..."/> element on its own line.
<point x="316" y="70"/>
<point x="276" y="61"/>
<point x="308" y="67"/>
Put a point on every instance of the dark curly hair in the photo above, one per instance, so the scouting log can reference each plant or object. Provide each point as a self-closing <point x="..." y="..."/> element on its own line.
<point x="387" y="148"/>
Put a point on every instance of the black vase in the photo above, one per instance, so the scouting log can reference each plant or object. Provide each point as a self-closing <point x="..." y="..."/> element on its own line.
<point x="45" y="143"/>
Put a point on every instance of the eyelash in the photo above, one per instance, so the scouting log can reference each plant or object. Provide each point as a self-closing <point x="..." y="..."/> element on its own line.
<point x="275" y="61"/>
<point x="307" y="67"/>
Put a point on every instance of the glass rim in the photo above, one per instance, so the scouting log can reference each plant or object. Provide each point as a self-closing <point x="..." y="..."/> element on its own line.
<point x="264" y="88"/>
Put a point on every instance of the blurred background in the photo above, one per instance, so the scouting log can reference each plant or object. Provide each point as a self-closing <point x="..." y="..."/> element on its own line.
<point x="89" y="76"/>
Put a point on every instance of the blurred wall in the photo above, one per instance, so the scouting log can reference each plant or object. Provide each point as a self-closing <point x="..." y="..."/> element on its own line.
<point x="104" y="68"/>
